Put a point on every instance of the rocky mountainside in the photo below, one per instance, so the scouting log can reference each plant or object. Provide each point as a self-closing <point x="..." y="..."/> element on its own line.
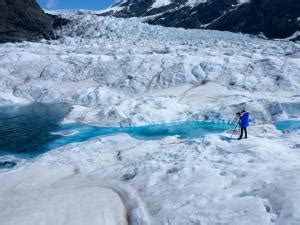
<point x="271" y="18"/>
<point x="23" y="20"/>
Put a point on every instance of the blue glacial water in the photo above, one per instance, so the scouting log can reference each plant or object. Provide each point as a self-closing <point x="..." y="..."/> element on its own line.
<point x="27" y="131"/>
<point x="64" y="134"/>
<point x="187" y="129"/>
<point x="287" y="125"/>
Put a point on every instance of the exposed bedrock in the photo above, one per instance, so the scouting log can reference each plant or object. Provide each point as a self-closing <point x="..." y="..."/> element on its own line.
<point x="24" y="20"/>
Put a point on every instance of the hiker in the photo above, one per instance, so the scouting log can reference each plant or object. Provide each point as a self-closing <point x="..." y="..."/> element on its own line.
<point x="244" y="122"/>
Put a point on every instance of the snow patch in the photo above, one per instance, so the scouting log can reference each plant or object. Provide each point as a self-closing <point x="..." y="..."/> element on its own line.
<point x="160" y="3"/>
<point x="195" y="2"/>
<point x="243" y="1"/>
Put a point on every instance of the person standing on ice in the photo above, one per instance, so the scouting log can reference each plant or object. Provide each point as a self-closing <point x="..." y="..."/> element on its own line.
<point x="244" y="122"/>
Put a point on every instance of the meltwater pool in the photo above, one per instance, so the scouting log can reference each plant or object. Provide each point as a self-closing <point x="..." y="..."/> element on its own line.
<point x="27" y="131"/>
<point x="24" y="142"/>
<point x="287" y="125"/>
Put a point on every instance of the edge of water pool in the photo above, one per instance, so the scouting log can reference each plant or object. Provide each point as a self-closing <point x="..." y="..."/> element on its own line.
<point x="220" y="126"/>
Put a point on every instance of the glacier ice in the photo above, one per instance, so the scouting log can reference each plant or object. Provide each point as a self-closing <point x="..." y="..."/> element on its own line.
<point x="208" y="181"/>
<point x="123" y="72"/>
<point x="99" y="61"/>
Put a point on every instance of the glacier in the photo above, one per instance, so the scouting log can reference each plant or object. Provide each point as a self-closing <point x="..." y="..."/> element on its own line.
<point x="99" y="61"/>
<point x="121" y="72"/>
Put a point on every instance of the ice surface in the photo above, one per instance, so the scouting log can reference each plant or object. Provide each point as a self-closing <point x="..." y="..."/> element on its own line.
<point x="209" y="181"/>
<point x="122" y="72"/>
<point x="127" y="72"/>
<point x="54" y="195"/>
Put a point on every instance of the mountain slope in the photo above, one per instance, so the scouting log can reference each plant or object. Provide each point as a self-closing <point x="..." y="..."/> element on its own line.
<point x="272" y="18"/>
<point x="23" y="20"/>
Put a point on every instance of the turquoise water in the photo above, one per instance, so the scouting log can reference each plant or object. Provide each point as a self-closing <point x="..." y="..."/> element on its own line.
<point x="27" y="131"/>
<point x="80" y="132"/>
<point x="287" y="125"/>
<point x="187" y="129"/>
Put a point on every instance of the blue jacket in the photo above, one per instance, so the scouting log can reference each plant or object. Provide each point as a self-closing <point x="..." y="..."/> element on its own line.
<point x="244" y="120"/>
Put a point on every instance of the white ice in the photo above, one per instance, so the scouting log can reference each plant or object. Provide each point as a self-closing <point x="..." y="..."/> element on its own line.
<point x="209" y="181"/>
<point x="51" y="195"/>
<point x="126" y="72"/>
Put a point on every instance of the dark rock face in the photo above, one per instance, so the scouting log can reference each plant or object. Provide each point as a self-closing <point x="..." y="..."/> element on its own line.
<point x="273" y="18"/>
<point x="58" y="21"/>
<point x="23" y="20"/>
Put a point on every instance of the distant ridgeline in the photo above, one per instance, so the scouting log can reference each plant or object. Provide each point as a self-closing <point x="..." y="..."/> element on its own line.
<point x="24" y="20"/>
<point x="271" y="18"/>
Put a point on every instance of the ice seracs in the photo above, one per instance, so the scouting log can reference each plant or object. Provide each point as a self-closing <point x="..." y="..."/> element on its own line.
<point x="122" y="66"/>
